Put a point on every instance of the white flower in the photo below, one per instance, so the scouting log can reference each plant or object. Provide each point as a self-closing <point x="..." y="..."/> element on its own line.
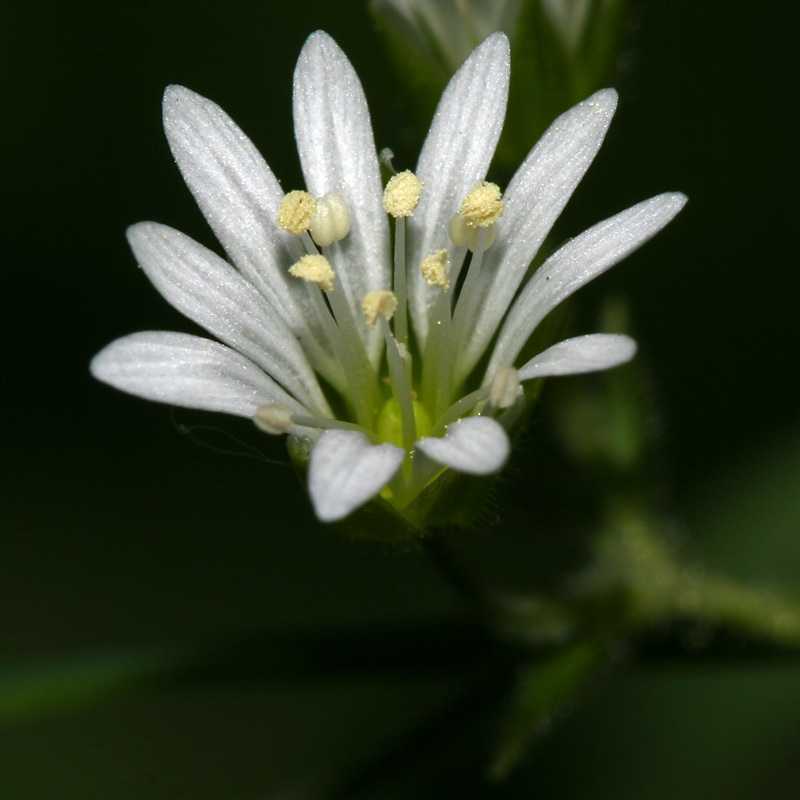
<point x="331" y="330"/>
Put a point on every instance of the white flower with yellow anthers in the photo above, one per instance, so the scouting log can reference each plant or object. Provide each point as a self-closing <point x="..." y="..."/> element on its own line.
<point x="370" y="350"/>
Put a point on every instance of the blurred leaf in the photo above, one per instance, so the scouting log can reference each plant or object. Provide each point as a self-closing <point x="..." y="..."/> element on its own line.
<point x="748" y="515"/>
<point x="56" y="685"/>
<point x="29" y="690"/>
<point x="542" y="690"/>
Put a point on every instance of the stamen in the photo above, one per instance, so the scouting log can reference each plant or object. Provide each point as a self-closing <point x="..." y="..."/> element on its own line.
<point x="501" y="394"/>
<point x="274" y="418"/>
<point x="435" y="268"/>
<point x="357" y="367"/>
<point x="467" y="296"/>
<point x="332" y="220"/>
<point x="483" y="205"/>
<point x="402" y="194"/>
<point x="400" y="287"/>
<point x="505" y="388"/>
<point x="460" y="408"/>
<point x="462" y="313"/>
<point x="378" y="304"/>
<point x="296" y="212"/>
<point x="436" y="368"/>
<point x="462" y="233"/>
<point x="314" y="269"/>
<point x="400" y="386"/>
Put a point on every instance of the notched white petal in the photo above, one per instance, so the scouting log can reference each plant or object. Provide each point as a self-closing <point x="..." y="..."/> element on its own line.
<point x="189" y="371"/>
<point x="475" y="445"/>
<point x="345" y="471"/>
<point x="591" y="353"/>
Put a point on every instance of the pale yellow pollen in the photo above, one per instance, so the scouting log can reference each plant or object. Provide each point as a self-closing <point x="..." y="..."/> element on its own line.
<point x="505" y="387"/>
<point x="435" y="268"/>
<point x="377" y="304"/>
<point x="274" y="418"/>
<point x="314" y="269"/>
<point x="332" y="220"/>
<point x="402" y="194"/>
<point x="483" y="205"/>
<point x="462" y="233"/>
<point x="296" y="212"/>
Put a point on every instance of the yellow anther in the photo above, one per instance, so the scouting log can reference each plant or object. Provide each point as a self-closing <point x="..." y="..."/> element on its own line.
<point x="332" y="220"/>
<point x="435" y="267"/>
<point x="377" y="304"/>
<point x="274" y="418"/>
<point x="296" y="212"/>
<point x="314" y="269"/>
<point x="505" y="387"/>
<point x="402" y="194"/>
<point x="483" y="205"/>
<point x="461" y="232"/>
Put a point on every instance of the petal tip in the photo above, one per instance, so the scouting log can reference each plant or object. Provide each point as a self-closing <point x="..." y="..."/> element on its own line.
<point x="472" y="445"/>
<point x="670" y="203"/>
<point x="174" y="94"/>
<point x="497" y="39"/>
<point x="320" y="44"/>
<point x="495" y="47"/>
<point x="606" y="99"/>
<point x="680" y="199"/>
<point x="137" y="231"/>
<point x="346" y="471"/>
<point x="98" y="364"/>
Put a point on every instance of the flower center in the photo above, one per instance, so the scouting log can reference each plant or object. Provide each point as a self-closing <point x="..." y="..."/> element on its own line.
<point x="397" y="414"/>
<point x="389" y="423"/>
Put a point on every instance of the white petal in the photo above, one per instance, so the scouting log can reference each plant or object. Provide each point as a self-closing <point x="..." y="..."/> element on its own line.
<point x="187" y="371"/>
<point x="337" y="153"/>
<point x="575" y="264"/>
<point x="475" y="445"/>
<point x="239" y="196"/>
<point x="211" y="292"/>
<point x="346" y="471"/>
<point x="592" y="353"/>
<point x="456" y="154"/>
<point x="534" y="199"/>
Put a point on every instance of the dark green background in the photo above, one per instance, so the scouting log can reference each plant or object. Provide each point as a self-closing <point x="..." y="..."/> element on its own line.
<point x="117" y="528"/>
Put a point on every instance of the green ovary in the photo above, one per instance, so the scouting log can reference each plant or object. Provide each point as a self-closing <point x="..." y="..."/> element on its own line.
<point x="389" y="425"/>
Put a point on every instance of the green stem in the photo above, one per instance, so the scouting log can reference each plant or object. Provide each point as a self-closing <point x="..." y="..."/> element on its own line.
<point x="458" y="578"/>
<point x="757" y="612"/>
<point x="638" y="565"/>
